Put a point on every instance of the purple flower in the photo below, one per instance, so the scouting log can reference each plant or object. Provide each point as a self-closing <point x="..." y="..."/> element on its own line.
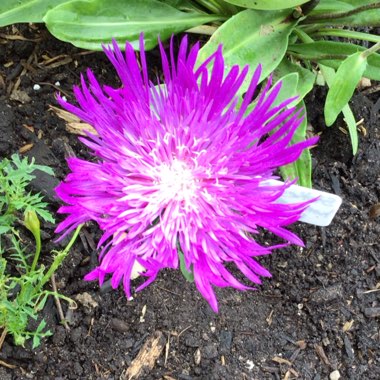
<point x="179" y="167"/>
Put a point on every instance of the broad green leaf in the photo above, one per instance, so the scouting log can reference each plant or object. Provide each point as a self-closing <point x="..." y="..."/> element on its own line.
<point x="267" y="4"/>
<point x="301" y="168"/>
<point x="349" y="118"/>
<point x="288" y="88"/>
<point x="264" y="41"/>
<point x="89" y="24"/>
<point x="306" y="78"/>
<point x="332" y="54"/>
<point x="343" y="85"/>
<point x="15" y="11"/>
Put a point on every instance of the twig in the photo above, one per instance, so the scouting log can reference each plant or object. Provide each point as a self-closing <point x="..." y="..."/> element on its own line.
<point x="58" y="304"/>
<point x="167" y="290"/>
<point x="2" y="337"/>
<point x="5" y="364"/>
<point x="371" y="90"/>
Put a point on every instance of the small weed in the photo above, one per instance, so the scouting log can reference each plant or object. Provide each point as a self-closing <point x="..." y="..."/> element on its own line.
<point x="22" y="295"/>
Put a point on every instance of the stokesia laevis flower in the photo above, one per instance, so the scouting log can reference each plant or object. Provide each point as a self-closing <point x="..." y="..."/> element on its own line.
<point x="179" y="167"/>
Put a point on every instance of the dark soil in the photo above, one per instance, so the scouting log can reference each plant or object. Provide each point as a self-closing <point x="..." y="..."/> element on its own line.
<point x="319" y="313"/>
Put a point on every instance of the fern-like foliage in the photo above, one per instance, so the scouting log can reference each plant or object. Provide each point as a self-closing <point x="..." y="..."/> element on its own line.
<point x="21" y="293"/>
<point x="15" y="175"/>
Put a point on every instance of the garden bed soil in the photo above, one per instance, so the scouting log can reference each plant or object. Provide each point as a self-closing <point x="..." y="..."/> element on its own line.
<point x="319" y="313"/>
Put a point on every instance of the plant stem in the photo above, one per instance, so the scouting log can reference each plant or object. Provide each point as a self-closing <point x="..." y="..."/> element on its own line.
<point x="3" y="335"/>
<point x="309" y="6"/>
<point x="304" y="37"/>
<point x="317" y="58"/>
<point x="37" y="253"/>
<point x="218" y="7"/>
<point x="59" y="258"/>
<point x="347" y="34"/>
<point x="371" y="50"/>
<point x="330" y="16"/>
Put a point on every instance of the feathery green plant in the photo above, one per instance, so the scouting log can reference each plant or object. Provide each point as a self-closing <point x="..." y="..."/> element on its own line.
<point x="22" y="295"/>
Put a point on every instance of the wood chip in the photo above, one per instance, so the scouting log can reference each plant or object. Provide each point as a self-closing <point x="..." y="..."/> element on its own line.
<point x="5" y="364"/>
<point x="28" y="127"/>
<point x="20" y="96"/>
<point x="12" y="37"/>
<point x="290" y="372"/>
<point x="26" y="148"/>
<point x="63" y="62"/>
<point x="348" y="325"/>
<point x="2" y="83"/>
<point x="321" y="353"/>
<point x="301" y="344"/>
<point x="374" y="211"/>
<point x="146" y="358"/>
<point x="73" y="124"/>
<point x="197" y="357"/>
<point x="269" y="318"/>
<point x="280" y="360"/>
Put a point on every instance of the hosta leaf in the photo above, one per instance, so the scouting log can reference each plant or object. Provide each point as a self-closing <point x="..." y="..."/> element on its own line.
<point x="261" y="30"/>
<point x="89" y="24"/>
<point x="288" y="88"/>
<point x="306" y="78"/>
<point x="15" y="11"/>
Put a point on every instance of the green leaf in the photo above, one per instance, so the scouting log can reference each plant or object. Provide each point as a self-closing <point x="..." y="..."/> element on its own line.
<point x="368" y="17"/>
<point x="325" y="6"/>
<point x="332" y="54"/>
<point x="343" y="85"/>
<point x="183" y="5"/>
<point x="15" y="11"/>
<point x="305" y="80"/>
<point x="261" y="30"/>
<point x="188" y="274"/>
<point x="288" y="89"/>
<point x="267" y="4"/>
<point x="358" y="3"/>
<point x="349" y="118"/>
<point x="301" y="168"/>
<point x="89" y="24"/>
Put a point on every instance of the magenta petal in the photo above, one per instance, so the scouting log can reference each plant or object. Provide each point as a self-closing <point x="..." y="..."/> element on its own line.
<point x="180" y="164"/>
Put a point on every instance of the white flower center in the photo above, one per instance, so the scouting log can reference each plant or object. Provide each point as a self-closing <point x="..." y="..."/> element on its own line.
<point x="177" y="181"/>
